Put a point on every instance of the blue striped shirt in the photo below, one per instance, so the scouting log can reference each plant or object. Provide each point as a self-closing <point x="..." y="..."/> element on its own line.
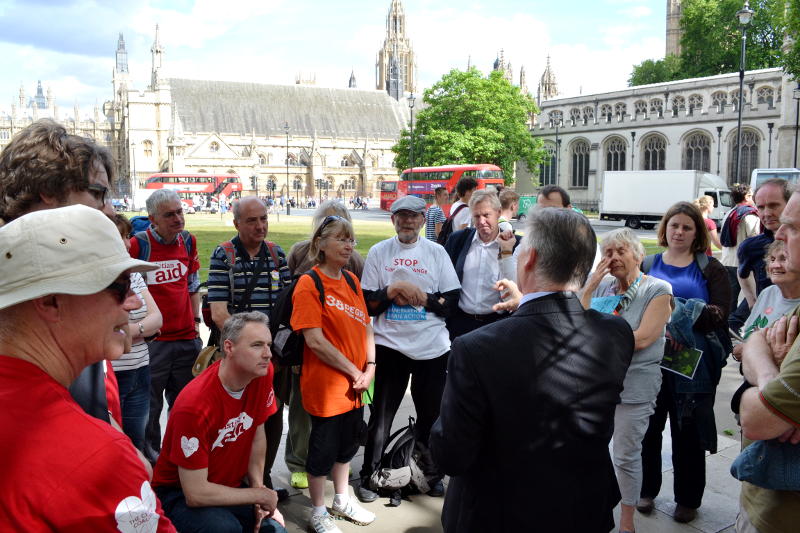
<point x="270" y="281"/>
<point x="434" y="216"/>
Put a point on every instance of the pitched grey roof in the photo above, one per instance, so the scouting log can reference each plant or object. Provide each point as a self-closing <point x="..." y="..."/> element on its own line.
<point x="240" y="108"/>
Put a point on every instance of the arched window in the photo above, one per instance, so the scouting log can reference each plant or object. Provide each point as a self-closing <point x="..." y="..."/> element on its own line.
<point x="766" y="96"/>
<point x="719" y="99"/>
<point x="620" y="108"/>
<point x="588" y="114"/>
<point x="4" y="134"/>
<point x="641" y="107"/>
<point x="735" y="98"/>
<point x="555" y="116"/>
<point x="147" y="147"/>
<point x="657" y="106"/>
<point x="292" y="160"/>
<point x="580" y="164"/>
<point x="261" y="159"/>
<point x="606" y="112"/>
<point x="246" y="151"/>
<point x="575" y="115"/>
<point x="697" y="152"/>
<point x="547" y="168"/>
<point x="654" y="152"/>
<point x="345" y="162"/>
<point x="750" y="142"/>
<point x="214" y="146"/>
<point x="615" y="154"/>
<point x="678" y="103"/>
<point x="696" y="102"/>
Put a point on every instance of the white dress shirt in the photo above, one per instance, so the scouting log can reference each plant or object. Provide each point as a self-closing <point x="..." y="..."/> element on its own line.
<point x="482" y="268"/>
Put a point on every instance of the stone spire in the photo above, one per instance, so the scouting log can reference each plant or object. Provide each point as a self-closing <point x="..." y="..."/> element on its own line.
<point x="157" y="53"/>
<point x="122" y="54"/>
<point x="21" y="96"/>
<point x="548" y="87"/>
<point x="523" y="84"/>
<point x="397" y="46"/>
<point x="49" y="98"/>
<point x="352" y="83"/>
<point x="501" y="65"/>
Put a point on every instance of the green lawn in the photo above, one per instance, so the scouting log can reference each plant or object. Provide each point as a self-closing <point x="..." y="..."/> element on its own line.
<point x="211" y="230"/>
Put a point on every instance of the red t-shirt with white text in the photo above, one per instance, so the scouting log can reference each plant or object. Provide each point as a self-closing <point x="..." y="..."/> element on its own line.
<point x="63" y="470"/>
<point x="208" y="428"/>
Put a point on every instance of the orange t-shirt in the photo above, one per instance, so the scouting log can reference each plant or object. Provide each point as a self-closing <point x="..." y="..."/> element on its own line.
<point x="343" y="319"/>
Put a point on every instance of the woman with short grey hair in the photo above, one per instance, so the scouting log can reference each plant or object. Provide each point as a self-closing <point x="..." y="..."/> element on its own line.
<point x="618" y="286"/>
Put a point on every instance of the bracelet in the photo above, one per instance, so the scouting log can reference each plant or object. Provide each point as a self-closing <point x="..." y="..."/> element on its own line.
<point x="504" y="253"/>
<point x="141" y="329"/>
<point x="372" y="363"/>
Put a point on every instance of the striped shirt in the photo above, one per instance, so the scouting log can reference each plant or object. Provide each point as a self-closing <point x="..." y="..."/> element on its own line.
<point x="270" y="281"/>
<point x="434" y="216"/>
<point x="139" y="356"/>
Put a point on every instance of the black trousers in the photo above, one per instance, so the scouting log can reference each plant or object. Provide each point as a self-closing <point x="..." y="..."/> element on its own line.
<point x="391" y="380"/>
<point x="460" y="323"/>
<point x="688" y="453"/>
<point x="733" y="280"/>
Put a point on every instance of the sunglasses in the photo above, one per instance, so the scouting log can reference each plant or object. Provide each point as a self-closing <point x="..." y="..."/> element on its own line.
<point x="98" y="191"/>
<point x="120" y="289"/>
<point x="328" y="220"/>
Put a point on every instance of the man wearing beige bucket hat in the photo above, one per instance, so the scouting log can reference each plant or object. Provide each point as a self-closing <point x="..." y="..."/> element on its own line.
<point x="64" y="302"/>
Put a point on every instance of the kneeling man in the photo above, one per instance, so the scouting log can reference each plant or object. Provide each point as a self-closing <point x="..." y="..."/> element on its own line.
<point x="210" y="473"/>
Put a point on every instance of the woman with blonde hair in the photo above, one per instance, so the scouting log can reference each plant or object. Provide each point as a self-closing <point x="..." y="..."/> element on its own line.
<point x="706" y="205"/>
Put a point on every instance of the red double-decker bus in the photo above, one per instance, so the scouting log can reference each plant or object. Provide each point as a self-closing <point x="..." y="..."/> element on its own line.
<point x="422" y="181"/>
<point x="189" y="186"/>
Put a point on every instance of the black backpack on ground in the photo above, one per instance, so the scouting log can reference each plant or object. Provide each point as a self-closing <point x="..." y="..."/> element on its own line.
<point x="398" y="471"/>
<point x="447" y="227"/>
<point x="287" y="344"/>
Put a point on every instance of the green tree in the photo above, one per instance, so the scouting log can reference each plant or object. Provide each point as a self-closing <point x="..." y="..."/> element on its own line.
<point x="468" y="118"/>
<point x="712" y="37"/>
<point x="656" y="71"/>
<point x="791" y="57"/>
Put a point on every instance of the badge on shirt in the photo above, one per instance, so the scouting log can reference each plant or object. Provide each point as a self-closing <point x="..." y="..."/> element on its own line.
<point x="275" y="279"/>
<point x="405" y="312"/>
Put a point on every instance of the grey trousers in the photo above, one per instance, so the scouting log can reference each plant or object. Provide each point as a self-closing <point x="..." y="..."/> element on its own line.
<point x="630" y="425"/>
<point x="296" y="449"/>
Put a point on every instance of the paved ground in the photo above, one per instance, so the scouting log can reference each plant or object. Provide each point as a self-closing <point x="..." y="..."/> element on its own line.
<point x="422" y="513"/>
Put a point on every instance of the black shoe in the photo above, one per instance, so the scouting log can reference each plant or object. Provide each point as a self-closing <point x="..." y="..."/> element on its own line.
<point x="365" y="494"/>
<point x="646" y="505"/>
<point x="437" y="490"/>
<point x="396" y="498"/>
<point x="684" y="514"/>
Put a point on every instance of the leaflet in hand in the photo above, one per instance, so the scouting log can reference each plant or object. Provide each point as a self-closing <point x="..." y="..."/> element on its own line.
<point x="681" y="359"/>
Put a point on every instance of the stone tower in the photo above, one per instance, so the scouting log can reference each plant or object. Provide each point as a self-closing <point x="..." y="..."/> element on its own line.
<point x="673" y="27"/>
<point x="501" y="65"/>
<point x="523" y="82"/>
<point x="548" y="88"/>
<point x="120" y="76"/>
<point x="157" y="53"/>
<point x="396" y="46"/>
<point x="352" y="83"/>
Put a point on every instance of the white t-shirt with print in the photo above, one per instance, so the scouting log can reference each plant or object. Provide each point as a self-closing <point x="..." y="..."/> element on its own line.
<point x="414" y="332"/>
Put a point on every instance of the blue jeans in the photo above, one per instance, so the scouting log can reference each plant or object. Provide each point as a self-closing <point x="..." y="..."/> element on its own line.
<point x="134" y="398"/>
<point x="228" y="519"/>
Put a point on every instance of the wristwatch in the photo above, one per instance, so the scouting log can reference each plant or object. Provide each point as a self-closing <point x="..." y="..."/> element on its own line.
<point x="141" y="329"/>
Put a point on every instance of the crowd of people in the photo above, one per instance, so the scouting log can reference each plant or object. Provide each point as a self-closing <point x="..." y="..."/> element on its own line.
<point x="526" y="356"/>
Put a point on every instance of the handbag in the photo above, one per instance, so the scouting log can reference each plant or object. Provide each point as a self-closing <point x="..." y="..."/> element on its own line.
<point x="769" y="464"/>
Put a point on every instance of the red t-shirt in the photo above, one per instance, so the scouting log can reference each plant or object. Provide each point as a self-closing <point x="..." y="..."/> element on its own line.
<point x="168" y="285"/>
<point x="343" y="319"/>
<point x="112" y="393"/>
<point x="208" y="428"/>
<point x="710" y="226"/>
<point x="63" y="470"/>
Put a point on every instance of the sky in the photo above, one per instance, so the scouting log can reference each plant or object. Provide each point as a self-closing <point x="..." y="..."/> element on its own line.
<point x="70" y="44"/>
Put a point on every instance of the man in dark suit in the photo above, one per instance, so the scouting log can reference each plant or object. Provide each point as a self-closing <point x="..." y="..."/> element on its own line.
<point x="529" y="401"/>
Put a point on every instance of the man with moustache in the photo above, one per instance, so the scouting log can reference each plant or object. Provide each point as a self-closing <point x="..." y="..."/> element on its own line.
<point x="410" y="287"/>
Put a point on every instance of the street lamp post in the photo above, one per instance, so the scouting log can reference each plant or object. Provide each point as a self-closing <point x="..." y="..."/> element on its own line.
<point x="719" y="146"/>
<point x="745" y="15"/>
<point x="633" y="148"/>
<point x="770" y="125"/>
<point x="288" y="206"/>
<point x="411" y="102"/>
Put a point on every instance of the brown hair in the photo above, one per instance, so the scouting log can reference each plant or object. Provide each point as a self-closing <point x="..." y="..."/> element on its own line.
<point x="123" y="225"/>
<point x="44" y="160"/>
<point x="507" y="198"/>
<point x="701" y="237"/>
<point x="331" y="226"/>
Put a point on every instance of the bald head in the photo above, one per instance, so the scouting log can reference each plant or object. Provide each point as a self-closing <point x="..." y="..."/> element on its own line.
<point x="250" y="219"/>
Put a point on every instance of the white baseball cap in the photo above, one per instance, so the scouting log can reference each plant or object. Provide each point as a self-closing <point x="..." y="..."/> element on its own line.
<point x="69" y="250"/>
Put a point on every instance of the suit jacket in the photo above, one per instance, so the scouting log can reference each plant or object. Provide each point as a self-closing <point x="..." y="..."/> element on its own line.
<point x="526" y="417"/>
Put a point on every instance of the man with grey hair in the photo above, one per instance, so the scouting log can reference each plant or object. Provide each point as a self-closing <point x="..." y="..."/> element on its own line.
<point x="247" y="273"/>
<point x="481" y="255"/>
<point x="64" y="304"/>
<point x="530" y="400"/>
<point x="215" y="439"/>
<point x="174" y="287"/>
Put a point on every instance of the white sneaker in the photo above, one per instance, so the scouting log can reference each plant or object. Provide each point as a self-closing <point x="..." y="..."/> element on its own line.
<point x="323" y="523"/>
<point x="353" y="512"/>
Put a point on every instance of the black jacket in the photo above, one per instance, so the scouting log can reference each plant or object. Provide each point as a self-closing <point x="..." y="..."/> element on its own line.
<point x="526" y="417"/>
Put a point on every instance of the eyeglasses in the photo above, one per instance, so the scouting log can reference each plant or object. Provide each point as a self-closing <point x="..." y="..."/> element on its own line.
<point x="120" y="289"/>
<point x="328" y="220"/>
<point x="98" y="191"/>
<point x="351" y="242"/>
